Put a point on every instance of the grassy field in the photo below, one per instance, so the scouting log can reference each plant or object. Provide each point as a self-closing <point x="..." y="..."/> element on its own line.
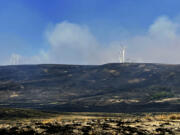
<point x="33" y="122"/>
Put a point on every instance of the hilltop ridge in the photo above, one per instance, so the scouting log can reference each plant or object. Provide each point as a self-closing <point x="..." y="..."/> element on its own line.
<point x="114" y="87"/>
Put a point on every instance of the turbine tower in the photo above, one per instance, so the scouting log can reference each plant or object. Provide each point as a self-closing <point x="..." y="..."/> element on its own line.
<point x="14" y="60"/>
<point x="122" y="54"/>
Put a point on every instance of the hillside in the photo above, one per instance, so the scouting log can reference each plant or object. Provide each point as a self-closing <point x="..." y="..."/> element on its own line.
<point x="128" y="87"/>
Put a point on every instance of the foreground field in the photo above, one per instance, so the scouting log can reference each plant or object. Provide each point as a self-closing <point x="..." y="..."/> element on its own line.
<point x="31" y="123"/>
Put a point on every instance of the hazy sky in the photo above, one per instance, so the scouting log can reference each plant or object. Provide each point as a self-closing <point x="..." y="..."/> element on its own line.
<point x="89" y="31"/>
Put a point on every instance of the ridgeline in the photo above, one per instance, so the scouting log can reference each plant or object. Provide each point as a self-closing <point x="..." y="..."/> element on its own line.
<point x="126" y="87"/>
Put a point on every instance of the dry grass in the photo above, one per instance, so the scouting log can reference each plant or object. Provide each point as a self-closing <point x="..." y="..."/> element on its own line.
<point x="148" y="117"/>
<point x="51" y="120"/>
<point x="174" y="116"/>
<point x="96" y="123"/>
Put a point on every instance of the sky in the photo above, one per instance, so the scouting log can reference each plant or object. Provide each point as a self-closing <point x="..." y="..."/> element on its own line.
<point x="89" y="31"/>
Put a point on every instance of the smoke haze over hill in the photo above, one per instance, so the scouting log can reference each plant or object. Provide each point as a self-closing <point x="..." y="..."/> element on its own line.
<point x="71" y="43"/>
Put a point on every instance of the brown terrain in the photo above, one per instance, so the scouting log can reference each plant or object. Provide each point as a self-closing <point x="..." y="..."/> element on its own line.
<point x="133" y="98"/>
<point x="90" y="123"/>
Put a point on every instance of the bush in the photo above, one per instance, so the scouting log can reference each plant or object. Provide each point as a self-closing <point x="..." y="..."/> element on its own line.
<point x="160" y="95"/>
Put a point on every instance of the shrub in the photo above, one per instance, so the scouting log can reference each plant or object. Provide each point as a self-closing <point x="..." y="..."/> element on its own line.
<point x="162" y="94"/>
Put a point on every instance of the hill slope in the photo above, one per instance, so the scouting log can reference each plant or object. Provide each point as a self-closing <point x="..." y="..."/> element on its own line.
<point x="128" y="87"/>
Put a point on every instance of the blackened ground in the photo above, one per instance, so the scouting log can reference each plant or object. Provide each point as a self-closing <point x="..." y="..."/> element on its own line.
<point x="128" y="87"/>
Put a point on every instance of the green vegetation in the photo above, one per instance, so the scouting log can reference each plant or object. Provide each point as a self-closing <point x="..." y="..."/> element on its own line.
<point x="16" y="113"/>
<point x="161" y="95"/>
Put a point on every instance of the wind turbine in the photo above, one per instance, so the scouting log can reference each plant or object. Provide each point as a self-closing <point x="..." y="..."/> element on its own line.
<point x="122" y="54"/>
<point x="14" y="60"/>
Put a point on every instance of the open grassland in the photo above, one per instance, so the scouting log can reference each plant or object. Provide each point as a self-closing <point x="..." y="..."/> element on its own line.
<point x="32" y="122"/>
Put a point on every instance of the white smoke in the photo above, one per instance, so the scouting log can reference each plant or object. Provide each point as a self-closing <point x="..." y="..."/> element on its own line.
<point x="72" y="44"/>
<point x="161" y="43"/>
<point x="75" y="44"/>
